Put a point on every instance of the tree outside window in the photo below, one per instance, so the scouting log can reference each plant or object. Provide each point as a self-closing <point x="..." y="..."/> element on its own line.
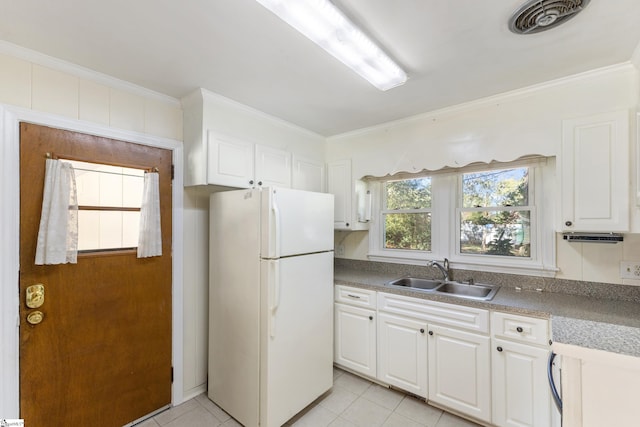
<point x="495" y="218"/>
<point x="407" y="214"/>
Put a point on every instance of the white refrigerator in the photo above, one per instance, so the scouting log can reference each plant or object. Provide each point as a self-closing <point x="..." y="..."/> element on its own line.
<point x="270" y="302"/>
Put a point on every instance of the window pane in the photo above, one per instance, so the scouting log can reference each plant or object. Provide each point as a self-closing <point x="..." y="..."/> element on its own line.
<point x="408" y="194"/>
<point x="407" y="231"/>
<point x="105" y="185"/>
<point x="503" y="233"/>
<point x="99" y="230"/>
<point x="508" y="187"/>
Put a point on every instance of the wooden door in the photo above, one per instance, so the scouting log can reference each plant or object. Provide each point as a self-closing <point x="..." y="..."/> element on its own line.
<point x="102" y="354"/>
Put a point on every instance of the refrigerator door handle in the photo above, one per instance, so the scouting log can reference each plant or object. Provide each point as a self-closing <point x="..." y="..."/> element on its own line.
<point x="274" y="294"/>
<point x="274" y="232"/>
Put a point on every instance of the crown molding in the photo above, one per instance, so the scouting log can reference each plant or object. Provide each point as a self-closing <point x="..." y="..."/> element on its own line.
<point x="496" y="99"/>
<point x="38" y="58"/>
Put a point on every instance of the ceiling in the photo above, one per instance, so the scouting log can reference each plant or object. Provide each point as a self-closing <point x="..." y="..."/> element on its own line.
<point x="453" y="51"/>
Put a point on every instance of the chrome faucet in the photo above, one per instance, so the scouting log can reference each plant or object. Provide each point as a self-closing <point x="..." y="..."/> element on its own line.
<point x="443" y="269"/>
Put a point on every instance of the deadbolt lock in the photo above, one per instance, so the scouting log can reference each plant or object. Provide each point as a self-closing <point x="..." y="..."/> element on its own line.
<point x="35" y="296"/>
<point x="35" y="317"/>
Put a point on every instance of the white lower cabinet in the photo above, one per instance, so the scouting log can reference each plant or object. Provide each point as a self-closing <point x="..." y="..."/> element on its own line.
<point x="459" y="371"/>
<point x="402" y="353"/>
<point x="355" y="339"/>
<point x="520" y="349"/>
<point x="520" y="388"/>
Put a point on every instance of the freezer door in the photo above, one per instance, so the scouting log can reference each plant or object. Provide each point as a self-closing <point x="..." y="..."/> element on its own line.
<point x="295" y="222"/>
<point x="296" y="364"/>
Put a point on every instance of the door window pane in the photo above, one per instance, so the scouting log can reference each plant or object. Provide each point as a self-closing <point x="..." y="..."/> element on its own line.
<point x="109" y="201"/>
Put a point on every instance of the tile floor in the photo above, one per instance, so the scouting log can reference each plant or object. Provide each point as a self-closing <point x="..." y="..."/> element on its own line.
<point x="352" y="402"/>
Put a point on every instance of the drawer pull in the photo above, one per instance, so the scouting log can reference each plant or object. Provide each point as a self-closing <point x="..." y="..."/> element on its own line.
<point x="353" y="296"/>
<point x="519" y="329"/>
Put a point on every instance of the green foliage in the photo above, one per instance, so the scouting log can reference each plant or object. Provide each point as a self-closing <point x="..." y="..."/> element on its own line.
<point x="408" y="230"/>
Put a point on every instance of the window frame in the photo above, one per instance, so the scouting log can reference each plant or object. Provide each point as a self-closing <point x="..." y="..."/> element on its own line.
<point x="446" y="202"/>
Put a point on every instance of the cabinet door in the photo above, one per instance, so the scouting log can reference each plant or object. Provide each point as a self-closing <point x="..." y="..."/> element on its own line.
<point x="308" y="175"/>
<point x="355" y="339"/>
<point x="272" y="167"/>
<point x="595" y="173"/>
<point x="459" y="371"/>
<point x="521" y="394"/>
<point x="339" y="184"/>
<point x="229" y="161"/>
<point x="402" y="353"/>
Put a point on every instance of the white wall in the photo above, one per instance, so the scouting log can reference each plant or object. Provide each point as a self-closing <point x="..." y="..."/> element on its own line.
<point x="503" y="128"/>
<point x="55" y="93"/>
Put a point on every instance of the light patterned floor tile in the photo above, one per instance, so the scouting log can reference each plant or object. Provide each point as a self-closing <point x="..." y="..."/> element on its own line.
<point x="450" y="420"/>
<point x="338" y="399"/>
<point x="315" y="417"/>
<point x="213" y="408"/>
<point x="352" y="383"/>
<point x="419" y="411"/>
<point x="383" y="396"/>
<point x="365" y="413"/>
<point x="199" y="417"/>
<point x="341" y="422"/>
<point x="397" y="420"/>
<point x="175" y="412"/>
<point x="147" y="423"/>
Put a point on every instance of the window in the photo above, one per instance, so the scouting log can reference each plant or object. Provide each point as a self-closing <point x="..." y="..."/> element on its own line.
<point x="407" y="214"/>
<point x="488" y="218"/>
<point x="495" y="215"/>
<point x="109" y="201"/>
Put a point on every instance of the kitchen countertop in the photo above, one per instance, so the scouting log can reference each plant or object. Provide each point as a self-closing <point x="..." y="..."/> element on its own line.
<point x="597" y="323"/>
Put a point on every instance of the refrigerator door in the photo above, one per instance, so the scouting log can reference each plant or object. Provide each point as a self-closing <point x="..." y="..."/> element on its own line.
<point x="296" y="364"/>
<point x="295" y="222"/>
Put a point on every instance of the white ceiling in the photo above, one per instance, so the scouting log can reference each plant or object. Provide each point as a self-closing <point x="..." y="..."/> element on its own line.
<point x="453" y="50"/>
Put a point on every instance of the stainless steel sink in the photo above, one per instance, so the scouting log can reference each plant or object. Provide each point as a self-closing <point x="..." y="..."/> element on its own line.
<point x="416" y="283"/>
<point x="479" y="291"/>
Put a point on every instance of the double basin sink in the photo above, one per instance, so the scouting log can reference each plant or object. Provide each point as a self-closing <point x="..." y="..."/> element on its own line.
<point x="478" y="291"/>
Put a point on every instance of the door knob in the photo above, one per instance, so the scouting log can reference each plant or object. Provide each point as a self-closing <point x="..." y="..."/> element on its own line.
<point x="35" y="296"/>
<point x="35" y="317"/>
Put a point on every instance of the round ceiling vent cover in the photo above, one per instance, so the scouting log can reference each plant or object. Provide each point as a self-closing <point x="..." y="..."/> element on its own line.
<point x="540" y="15"/>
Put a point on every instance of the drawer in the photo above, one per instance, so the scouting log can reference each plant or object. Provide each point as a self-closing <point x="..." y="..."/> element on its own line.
<point x="460" y="316"/>
<point x="355" y="296"/>
<point x="525" y="329"/>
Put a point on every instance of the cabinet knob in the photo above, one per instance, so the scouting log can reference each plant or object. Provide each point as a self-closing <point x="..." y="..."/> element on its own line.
<point x="259" y="182"/>
<point x="370" y="317"/>
<point x="251" y="182"/>
<point x="499" y="348"/>
<point x="519" y="329"/>
<point x="347" y="224"/>
<point x="568" y="223"/>
<point x="421" y="331"/>
<point x="430" y="332"/>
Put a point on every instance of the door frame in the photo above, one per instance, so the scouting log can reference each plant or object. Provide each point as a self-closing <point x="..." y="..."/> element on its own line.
<point x="10" y="118"/>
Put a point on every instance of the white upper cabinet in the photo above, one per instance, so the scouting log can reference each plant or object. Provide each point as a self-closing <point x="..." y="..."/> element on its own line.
<point x="594" y="173"/>
<point x="232" y="162"/>
<point x="351" y="202"/>
<point x="272" y="167"/>
<point x="308" y="175"/>
<point x="229" y="161"/>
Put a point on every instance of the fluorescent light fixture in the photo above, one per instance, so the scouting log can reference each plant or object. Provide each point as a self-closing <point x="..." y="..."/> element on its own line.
<point x="329" y="28"/>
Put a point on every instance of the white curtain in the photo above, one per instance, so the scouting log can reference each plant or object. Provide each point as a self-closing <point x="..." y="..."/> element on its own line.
<point x="150" y="238"/>
<point x="58" y="233"/>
